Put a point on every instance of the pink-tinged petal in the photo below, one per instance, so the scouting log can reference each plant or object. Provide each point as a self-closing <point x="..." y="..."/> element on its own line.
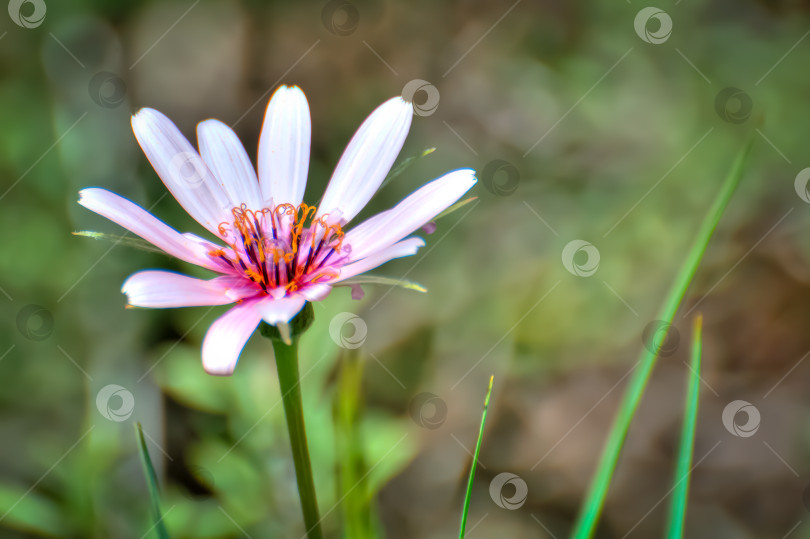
<point x="142" y="223"/>
<point x="237" y="287"/>
<point x="225" y="156"/>
<point x="279" y="311"/>
<point x="181" y="168"/>
<point x="398" y="250"/>
<point x="284" y="147"/>
<point x="417" y="209"/>
<point x="227" y="336"/>
<point x="165" y="289"/>
<point x="204" y="243"/>
<point x="315" y="292"/>
<point x="367" y="159"/>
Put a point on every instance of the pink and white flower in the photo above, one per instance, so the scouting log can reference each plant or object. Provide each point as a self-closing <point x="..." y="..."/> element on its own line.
<point x="275" y="252"/>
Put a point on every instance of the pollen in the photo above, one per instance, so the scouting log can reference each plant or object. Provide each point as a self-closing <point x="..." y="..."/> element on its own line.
<point x="282" y="246"/>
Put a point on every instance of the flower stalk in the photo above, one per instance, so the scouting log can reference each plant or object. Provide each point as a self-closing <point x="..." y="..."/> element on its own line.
<point x="285" y="346"/>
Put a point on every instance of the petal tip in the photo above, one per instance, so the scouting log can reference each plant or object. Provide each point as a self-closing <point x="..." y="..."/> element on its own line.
<point x="403" y="104"/>
<point x="217" y="370"/>
<point x="142" y="115"/>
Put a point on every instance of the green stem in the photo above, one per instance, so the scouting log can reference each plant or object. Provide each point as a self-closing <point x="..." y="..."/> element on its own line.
<point x="595" y="499"/>
<point x="289" y="381"/>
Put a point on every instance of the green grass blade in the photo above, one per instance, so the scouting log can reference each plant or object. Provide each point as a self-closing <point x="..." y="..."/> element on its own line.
<point x="352" y="477"/>
<point x="384" y="281"/>
<point x="455" y="207"/>
<point x="595" y="498"/>
<point x="151" y="484"/>
<point x="466" y="509"/>
<point x="683" y="467"/>
<point x="404" y="164"/>
<point x="123" y="239"/>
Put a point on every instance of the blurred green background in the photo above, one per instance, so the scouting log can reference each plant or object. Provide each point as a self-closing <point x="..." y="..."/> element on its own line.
<point x="589" y="121"/>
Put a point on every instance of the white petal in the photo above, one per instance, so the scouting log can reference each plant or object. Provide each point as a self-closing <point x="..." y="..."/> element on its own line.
<point x="284" y="147"/>
<point x="225" y="156"/>
<point x="398" y="250"/>
<point x="367" y="159"/>
<point x="142" y="223"/>
<point x="279" y="311"/>
<point x="165" y="289"/>
<point x="315" y="292"/>
<point x="182" y="170"/>
<point x="227" y="336"/>
<point x="419" y="208"/>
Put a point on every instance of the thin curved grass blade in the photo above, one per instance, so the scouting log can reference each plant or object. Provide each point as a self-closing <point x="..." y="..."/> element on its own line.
<point x="385" y="281"/>
<point x="404" y="164"/>
<point x="455" y="207"/>
<point x="151" y="484"/>
<point x="468" y="494"/>
<point x="123" y="239"/>
<point x="683" y="468"/>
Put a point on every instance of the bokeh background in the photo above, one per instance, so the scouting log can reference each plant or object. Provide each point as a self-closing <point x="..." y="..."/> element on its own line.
<point x="601" y="123"/>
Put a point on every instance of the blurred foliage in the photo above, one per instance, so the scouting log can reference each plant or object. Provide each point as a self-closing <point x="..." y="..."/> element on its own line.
<point x="606" y="138"/>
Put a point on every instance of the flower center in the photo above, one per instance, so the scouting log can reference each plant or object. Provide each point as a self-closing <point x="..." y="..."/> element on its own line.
<point x="282" y="246"/>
